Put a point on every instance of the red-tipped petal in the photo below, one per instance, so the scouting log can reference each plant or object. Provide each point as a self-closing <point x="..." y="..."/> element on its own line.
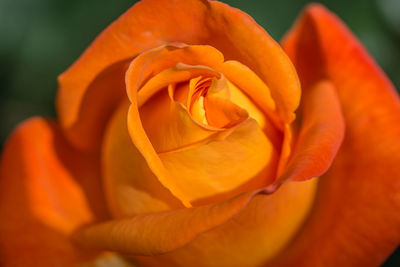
<point x="356" y="218"/>
<point x="320" y="134"/>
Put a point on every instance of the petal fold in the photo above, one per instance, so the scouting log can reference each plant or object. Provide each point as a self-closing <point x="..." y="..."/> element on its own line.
<point x="221" y="166"/>
<point x="130" y="186"/>
<point x="221" y="234"/>
<point x="156" y="233"/>
<point x="320" y="135"/>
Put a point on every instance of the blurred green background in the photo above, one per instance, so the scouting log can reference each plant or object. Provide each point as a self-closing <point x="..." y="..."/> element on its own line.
<point x="39" y="39"/>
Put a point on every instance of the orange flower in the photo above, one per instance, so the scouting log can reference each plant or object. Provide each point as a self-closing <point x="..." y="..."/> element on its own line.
<point x="182" y="141"/>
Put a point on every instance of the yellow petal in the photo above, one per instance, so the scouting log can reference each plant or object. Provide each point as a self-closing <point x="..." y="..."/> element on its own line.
<point x="239" y="98"/>
<point x="178" y="73"/>
<point x="222" y="113"/>
<point x="257" y="234"/>
<point x="218" y="167"/>
<point x="169" y="126"/>
<point x="130" y="186"/>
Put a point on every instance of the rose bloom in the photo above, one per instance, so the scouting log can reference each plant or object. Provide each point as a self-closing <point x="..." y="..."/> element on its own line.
<point x="186" y="136"/>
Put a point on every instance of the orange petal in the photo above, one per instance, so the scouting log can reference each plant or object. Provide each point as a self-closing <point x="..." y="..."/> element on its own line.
<point x="145" y="147"/>
<point x="149" y="139"/>
<point x="243" y="99"/>
<point x="239" y="38"/>
<point x="186" y="21"/>
<point x="169" y="126"/>
<point x="222" y="234"/>
<point x="101" y="97"/>
<point x="321" y="134"/>
<point x="176" y="74"/>
<point x="155" y="233"/>
<point x="172" y="64"/>
<point x="242" y="77"/>
<point x="219" y="167"/>
<point x="356" y="219"/>
<point x="131" y="188"/>
<point x="159" y="60"/>
<point x="47" y="190"/>
<point x="170" y="134"/>
<point x="222" y="113"/>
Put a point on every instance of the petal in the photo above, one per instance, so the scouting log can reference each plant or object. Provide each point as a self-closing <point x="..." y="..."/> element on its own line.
<point x="176" y="74"/>
<point x="130" y="186"/>
<point x="146" y="148"/>
<point x="155" y="233"/>
<point x="169" y="126"/>
<point x="159" y="60"/>
<point x="185" y="21"/>
<point x="169" y="131"/>
<point x="356" y="219"/>
<point x="222" y="113"/>
<point x="101" y="97"/>
<point x="47" y="190"/>
<point x="253" y="104"/>
<point x="256" y="89"/>
<point x="172" y="64"/>
<point x="239" y="38"/>
<point x="239" y="98"/>
<point x="222" y="234"/>
<point x="203" y="159"/>
<point x="219" y="167"/>
<point x="320" y="136"/>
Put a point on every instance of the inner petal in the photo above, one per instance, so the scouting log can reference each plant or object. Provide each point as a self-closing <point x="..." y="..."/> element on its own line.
<point x="222" y="113"/>
<point x="185" y="111"/>
<point x="197" y="131"/>
<point x="222" y="166"/>
<point x="209" y="103"/>
<point x="169" y="126"/>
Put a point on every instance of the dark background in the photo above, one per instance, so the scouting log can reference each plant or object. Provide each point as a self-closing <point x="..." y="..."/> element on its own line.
<point x="39" y="39"/>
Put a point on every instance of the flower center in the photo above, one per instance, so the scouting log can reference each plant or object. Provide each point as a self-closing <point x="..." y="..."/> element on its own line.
<point x="207" y="99"/>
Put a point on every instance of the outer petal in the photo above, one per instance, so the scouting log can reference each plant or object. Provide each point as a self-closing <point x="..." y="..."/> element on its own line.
<point x="155" y="233"/>
<point x="102" y="96"/>
<point x="251" y="237"/>
<point x="47" y="190"/>
<point x="187" y="21"/>
<point x="221" y="234"/>
<point x="356" y="219"/>
<point x="244" y="156"/>
<point x="320" y="135"/>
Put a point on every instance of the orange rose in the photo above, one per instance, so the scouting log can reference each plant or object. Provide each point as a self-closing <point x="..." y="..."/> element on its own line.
<point x="182" y="141"/>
